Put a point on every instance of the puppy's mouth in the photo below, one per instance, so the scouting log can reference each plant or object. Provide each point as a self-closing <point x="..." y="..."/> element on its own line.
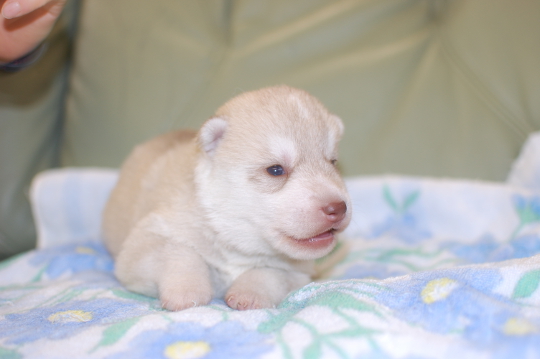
<point x="319" y="241"/>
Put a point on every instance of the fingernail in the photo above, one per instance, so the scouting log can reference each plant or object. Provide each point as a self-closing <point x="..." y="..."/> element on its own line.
<point x="11" y="9"/>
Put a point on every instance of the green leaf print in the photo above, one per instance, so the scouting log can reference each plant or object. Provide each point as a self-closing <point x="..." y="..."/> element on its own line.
<point x="410" y="200"/>
<point x="390" y="199"/>
<point x="527" y="284"/>
<point x="133" y="296"/>
<point x="342" y="301"/>
<point x="276" y="322"/>
<point x="336" y="301"/>
<point x="407" y="203"/>
<point x="9" y="354"/>
<point x="528" y="215"/>
<point x="115" y="332"/>
<point x="528" y="211"/>
<point x="313" y="351"/>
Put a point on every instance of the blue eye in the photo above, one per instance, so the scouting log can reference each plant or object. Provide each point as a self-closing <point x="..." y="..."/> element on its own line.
<point x="275" y="170"/>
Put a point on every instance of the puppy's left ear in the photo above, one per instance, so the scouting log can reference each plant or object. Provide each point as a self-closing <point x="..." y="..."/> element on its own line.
<point x="211" y="134"/>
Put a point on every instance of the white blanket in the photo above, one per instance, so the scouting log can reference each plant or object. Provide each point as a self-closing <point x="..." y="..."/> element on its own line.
<point x="429" y="268"/>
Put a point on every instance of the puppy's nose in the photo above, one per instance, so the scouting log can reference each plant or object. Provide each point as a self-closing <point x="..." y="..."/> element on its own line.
<point x="335" y="211"/>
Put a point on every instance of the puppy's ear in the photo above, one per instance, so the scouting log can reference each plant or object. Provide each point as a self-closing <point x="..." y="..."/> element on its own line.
<point x="339" y="127"/>
<point x="211" y="134"/>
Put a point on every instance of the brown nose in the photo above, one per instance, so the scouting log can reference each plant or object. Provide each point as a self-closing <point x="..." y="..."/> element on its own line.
<point x="335" y="211"/>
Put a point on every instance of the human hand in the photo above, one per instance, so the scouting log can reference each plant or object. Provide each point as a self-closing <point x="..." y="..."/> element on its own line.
<point x="24" y="24"/>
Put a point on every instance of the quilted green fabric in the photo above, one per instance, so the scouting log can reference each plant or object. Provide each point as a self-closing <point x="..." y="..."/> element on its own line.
<point x="438" y="88"/>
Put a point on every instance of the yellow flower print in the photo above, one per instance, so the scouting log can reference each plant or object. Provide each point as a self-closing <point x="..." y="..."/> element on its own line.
<point x="438" y="289"/>
<point x="519" y="326"/>
<point x="187" y="350"/>
<point x="85" y="250"/>
<point x="69" y="316"/>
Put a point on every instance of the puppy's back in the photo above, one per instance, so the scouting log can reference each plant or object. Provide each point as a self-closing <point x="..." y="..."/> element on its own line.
<point x="120" y="212"/>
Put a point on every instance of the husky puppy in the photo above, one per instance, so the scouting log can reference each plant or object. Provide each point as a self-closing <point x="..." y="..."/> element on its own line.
<point x="238" y="210"/>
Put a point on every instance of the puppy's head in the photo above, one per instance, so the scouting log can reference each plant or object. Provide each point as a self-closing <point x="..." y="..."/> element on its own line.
<point x="267" y="174"/>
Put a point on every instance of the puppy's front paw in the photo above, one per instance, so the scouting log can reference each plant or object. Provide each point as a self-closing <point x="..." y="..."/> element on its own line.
<point x="244" y="300"/>
<point x="176" y="299"/>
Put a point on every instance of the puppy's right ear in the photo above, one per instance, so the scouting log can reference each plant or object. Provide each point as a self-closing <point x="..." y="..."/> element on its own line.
<point x="211" y="134"/>
<point x="339" y="125"/>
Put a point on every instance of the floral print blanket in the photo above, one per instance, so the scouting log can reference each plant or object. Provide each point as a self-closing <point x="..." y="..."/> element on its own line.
<point x="429" y="268"/>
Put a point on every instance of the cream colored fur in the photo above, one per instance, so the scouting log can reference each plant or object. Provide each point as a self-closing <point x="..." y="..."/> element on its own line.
<point x="196" y="216"/>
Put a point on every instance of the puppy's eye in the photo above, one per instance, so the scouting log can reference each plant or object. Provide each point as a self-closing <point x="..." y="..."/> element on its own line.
<point x="275" y="170"/>
<point x="333" y="161"/>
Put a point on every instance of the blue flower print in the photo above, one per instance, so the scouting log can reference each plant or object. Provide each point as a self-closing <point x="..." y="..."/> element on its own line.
<point x="371" y="270"/>
<point x="525" y="246"/>
<point x="402" y="226"/>
<point x="461" y="301"/>
<point x="65" y="319"/>
<point x="527" y="207"/>
<point x="380" y="354"/>
<point x="528" y="211"/>
<point x="487" y="249"/>
<point x="73" y="258"/>
<point x="478" y="252"/>
<point x="514" y="337"/>
<point x="440" y="300"/>
<point x="401" y="223"/>
<point x="191" y="340"/>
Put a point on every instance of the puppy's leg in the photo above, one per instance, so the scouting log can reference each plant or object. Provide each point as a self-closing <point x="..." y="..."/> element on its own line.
<point x="263" y="288"/>
<point x="185" y="281"/>
<point x="153" y="266"/>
